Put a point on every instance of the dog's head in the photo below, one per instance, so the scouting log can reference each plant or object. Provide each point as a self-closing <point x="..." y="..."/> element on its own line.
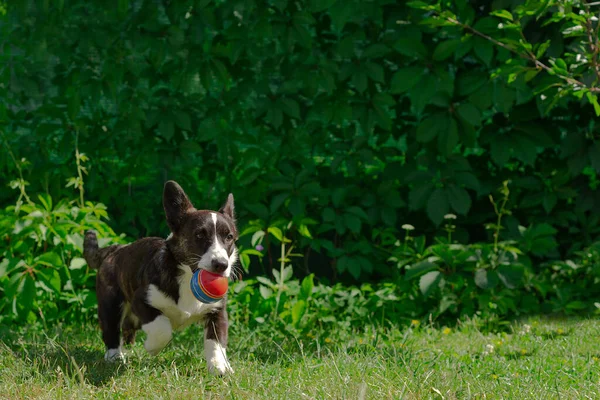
<point x="200" y="238"/>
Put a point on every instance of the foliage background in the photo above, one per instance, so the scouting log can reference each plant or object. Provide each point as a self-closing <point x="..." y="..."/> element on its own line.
<point x="347" y="118"/>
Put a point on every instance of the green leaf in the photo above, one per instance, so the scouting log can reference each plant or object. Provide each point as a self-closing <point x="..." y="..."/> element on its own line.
<point x="419" y="195"/>
<point x="486" y="279"/>
<point x="51" y="278"/>
<point x="26" y="296"/>
<point x="576" y="305"/>
<point x="77" y="263"/>
<point x="469" y="82"/>
<point x="448" y="138"/>
<point x="342" y="264"/>
<point x="593" y="99"/>
<point x="46" y="201"/>
<point x="405" y="79"/>
<point x="376" y="50"/>
<point x="320" y="5"/>
<point x="429" y="282"/>
<point x="166" y="129"/>
<point x="549" y="202"/>
<point x="354" y="267"/>
<point x="290" y="107"/>
<point x="265" y="292"/>
<point x="431" y="127"/>
<point x="505" y="14"/>
<point x="500" y="151"/>
<point x="303" y="35"/>
<point x="273" y="230"/>
<point x="359" y="212"/>
<point x="419" y="269"/>
<point x="375" y="72"/>
<point x="306" y="288"/>
<point x="328" y="214"/>
<point x="486" y="25"/>
<point x="438" y="206"/>
<point x="423" y="92"/>
<point x="445" y="49"/>
<point x="484" y="50"/>
<point x="352" y="222"/>
<point x="183" y="120"/>
<point x="411" y="48"/>
<point x="288" y="272"/>
<point x="469" y="113"/>
<point x="4" y="264"/>
<point x="303" y="230"/>
<point x="298" y="311"/>
<point x="359" y="80"/>
<point x="50" y="259"/>
<point x="459" y="199"/>
<point x="594" y="154"/>
<point x="510" y="275"/>
<point x="277" y="201"/>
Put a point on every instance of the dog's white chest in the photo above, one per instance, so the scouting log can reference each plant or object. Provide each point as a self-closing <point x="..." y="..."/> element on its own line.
<point x="187" y="310"/>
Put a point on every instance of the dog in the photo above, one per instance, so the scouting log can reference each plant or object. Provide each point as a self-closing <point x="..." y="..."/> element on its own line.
<point x="146" y="284"/>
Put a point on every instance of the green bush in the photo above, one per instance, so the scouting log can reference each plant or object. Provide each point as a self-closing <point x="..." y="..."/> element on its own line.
<point x="349" y="118"/>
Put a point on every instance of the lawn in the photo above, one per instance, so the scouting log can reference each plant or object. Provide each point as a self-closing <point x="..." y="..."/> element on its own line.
<point x="537" y="358"/>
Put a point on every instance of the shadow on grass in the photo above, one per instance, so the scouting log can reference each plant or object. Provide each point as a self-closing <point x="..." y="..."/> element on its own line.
<point x="61" y="359"/>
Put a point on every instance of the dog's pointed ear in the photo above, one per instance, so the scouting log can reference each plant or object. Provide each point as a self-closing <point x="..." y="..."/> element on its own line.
<point x="228" y="209"/>
<point x="176" y="204"/>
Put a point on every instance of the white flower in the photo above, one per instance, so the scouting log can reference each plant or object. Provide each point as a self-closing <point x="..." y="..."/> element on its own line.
<point x="526" y="329"/>
<point x="543" y="97"/>
<point x="449" y="216"/>
<point x="489" y="349"/>
<point x="408" y="227"/>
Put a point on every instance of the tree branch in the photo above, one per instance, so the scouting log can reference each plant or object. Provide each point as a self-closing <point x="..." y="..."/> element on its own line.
<point x="528" y="56"/>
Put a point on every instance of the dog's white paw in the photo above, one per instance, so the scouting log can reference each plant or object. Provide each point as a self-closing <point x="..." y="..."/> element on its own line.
<point x="114" y="355"/>
<point x="220" y="367"/>
<point x="216" y="358"/>
<point x="159" y="334"/>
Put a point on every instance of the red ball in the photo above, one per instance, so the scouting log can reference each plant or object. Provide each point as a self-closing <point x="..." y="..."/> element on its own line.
<point x="214" y="285"/>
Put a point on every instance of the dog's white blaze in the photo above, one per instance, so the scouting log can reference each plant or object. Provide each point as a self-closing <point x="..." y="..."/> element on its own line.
<point x="159" y="334"/>
<point x="114" y="355"/>
<point x="187" y="310"/>
<point x="216" y="357"/>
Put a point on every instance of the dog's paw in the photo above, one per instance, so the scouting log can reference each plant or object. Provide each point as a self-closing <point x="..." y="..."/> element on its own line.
<point x="220" y="367"/>
<point x="159" y="334"/>
<point x="114" y="355"/>
<point x="216" y="358"/>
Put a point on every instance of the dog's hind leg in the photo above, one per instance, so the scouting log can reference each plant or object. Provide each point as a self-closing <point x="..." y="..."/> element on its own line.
<point x="130" y="325"/>
<point x="109" y="314"/>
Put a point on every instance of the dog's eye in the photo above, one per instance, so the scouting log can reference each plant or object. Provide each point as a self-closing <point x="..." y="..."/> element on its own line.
<point x="229" y="237"/>
<point x="199" y="235"/>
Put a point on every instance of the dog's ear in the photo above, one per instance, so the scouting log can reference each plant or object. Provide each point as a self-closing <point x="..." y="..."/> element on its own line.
<point x="176" y="204"/>
<point x="228" y="209"/>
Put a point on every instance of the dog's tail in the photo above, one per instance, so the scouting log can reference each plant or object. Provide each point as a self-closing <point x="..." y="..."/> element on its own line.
<point x="91" y="251"/>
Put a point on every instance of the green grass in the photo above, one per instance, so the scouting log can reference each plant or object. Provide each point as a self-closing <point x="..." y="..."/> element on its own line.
<point x="554" y="359"/>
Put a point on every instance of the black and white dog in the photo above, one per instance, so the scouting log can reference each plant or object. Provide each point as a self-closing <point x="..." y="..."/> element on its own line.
<point x="146" y="284"/>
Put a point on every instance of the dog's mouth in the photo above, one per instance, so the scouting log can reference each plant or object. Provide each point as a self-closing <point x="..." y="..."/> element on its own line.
<point x="197" y="268"/>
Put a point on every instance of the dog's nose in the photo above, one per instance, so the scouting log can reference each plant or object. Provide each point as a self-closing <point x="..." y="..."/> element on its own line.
<point x="219" y="265"/>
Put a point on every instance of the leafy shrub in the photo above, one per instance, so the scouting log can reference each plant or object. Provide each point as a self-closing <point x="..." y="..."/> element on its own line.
<point x="356" y="116"/>
<point x="42" y="272"/>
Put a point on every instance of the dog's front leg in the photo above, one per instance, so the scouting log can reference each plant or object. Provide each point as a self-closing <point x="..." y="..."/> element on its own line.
<point x="156" y="325"/>
<point x="216" y="326"/>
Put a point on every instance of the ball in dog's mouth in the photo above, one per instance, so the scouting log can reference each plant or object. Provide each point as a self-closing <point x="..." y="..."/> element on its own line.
<point x="208" y="287"/>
